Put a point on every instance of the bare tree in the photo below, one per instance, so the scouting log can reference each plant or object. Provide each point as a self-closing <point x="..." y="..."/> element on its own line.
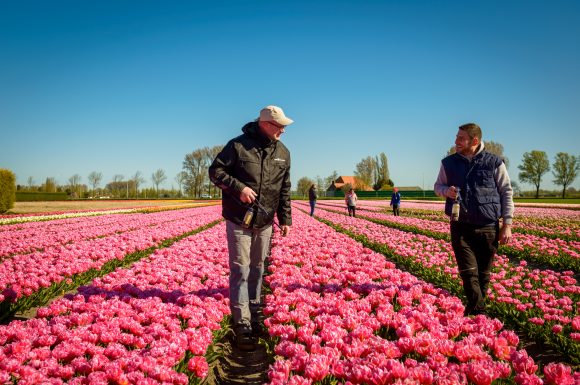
<point x="137" y="179"/>
<point x="565" y="170"/>
<point x="157" y="178"/>
<point x="30" y="182"/>
<point x="195" y="165"/>
<point x="74" y="182"/>
<point x="211" y="154"/>
<point x="180" y="179"/>
<point x="95" y="179"/>
<point x="117" y="179"/>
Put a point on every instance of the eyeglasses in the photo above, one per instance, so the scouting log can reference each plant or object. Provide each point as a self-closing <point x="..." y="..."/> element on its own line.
<point x="278" y="126"/>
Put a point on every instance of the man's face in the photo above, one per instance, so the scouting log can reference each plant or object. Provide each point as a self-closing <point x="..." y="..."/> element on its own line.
<point x="465" y="145"/>
<point x="272" y="130"/>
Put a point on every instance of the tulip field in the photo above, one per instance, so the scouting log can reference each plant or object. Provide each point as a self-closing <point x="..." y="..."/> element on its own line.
<point x="133" y="297"/>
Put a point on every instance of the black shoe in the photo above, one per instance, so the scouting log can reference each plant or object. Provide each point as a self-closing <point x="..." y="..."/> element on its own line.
<point x="257" y="329"/>
<point x="245" y="342"/>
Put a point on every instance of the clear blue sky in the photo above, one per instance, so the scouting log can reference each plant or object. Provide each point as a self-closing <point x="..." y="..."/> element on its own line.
<point x="121" y="86"/>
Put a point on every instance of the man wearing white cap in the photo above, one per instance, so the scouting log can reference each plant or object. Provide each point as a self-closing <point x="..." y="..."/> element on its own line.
<point x="253" y="170"/>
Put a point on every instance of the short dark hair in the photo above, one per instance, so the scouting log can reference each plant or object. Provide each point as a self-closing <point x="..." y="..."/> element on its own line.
<point x="472" y="129"/>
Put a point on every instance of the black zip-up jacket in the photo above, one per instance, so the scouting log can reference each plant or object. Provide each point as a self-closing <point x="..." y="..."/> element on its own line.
<point x="254" y="160"/>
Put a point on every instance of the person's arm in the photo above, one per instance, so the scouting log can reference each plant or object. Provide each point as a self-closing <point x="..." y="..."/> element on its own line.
<point x="220" y="174"/>
<point x="441" y="188"/>
<point x="284" y="212"/>
<point x="504" y="188"/>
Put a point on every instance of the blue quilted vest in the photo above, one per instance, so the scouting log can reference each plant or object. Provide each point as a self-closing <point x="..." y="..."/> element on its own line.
<point x="481" y="203"/>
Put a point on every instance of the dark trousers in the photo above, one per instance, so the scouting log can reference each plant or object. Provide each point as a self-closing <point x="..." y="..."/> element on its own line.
<point x="312" y="205"/>
<point x="351" y="211"/>
<point x="396" y="210"/>
<point x="474" y="247"/>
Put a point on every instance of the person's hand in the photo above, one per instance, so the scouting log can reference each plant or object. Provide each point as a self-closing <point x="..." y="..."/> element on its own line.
<point x="248" y="195"/>
<point x="505" y="234"/>
<point x="451" y="192"/>
<point x="285" y="230"/>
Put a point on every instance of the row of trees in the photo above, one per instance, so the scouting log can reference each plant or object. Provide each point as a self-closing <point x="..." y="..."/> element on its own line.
<point x="118" y="187"/>
<point x="535" y="164"/>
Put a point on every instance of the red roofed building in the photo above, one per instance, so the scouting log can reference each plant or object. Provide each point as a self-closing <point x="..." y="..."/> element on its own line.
<point x="353" y="181"/>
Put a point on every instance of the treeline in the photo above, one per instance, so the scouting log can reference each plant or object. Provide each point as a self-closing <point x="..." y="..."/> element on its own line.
<point x="535" y="165"/>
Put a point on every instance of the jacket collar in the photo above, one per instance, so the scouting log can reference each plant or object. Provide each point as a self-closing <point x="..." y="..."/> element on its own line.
<point x="253" y="130"/>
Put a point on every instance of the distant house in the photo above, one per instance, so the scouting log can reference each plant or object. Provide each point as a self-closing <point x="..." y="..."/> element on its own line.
<point x="355" y="182"/>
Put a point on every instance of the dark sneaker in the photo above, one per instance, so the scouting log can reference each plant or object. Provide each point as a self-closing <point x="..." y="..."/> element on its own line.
<point x="245" y="342"/>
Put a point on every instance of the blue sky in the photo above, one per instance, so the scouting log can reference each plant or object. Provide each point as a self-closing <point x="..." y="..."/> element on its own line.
<point x="125" y="86"/>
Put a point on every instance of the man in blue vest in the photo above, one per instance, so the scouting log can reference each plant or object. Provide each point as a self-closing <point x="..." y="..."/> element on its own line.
<point x="479" y="181"/>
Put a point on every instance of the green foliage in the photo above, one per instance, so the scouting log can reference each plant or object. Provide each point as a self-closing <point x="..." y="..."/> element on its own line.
<point x="565" y="170"/>
<point x="534" y="165"/>
<point x="303" y="186"/>
<point x="7" y="190"/>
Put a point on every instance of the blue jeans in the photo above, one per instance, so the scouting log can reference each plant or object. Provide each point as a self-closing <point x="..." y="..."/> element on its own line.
<point x="247" y="249"/>
<point x="312" y="205"/>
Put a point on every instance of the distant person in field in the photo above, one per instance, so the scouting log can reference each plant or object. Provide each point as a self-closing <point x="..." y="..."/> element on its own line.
<point x="312" y="196"/>
<point x="350" y="199"/>
<point x="395" y="201"/>
<point x="479" y="182"/>
<point x="253" y="170"/>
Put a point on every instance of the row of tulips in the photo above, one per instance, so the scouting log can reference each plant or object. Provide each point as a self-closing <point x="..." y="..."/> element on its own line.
<point x="553" y="252"/>
<point x="15" y="219"/>
<point x="40" y="217"/>
<point x="38" y="236"/>
<point x="30" y="279"/>
<point x="551" y="222"/>
<point x="341" y="313"/>
<point x="151" y="324"/>
<point x="543" y="303"/>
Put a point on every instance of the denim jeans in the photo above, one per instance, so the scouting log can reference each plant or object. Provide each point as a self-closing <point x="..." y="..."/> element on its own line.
<point x="474" y="247"/>
<point x="247" y="249"/>
<point x="312" y="205"/>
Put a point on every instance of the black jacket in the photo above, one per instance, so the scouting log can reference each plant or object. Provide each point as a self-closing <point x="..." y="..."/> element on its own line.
<point x="253" y="160"/>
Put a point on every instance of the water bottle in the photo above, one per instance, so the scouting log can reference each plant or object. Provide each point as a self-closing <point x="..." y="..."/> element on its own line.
<point x="455" y="207"/>
<point x="248" y="218"/>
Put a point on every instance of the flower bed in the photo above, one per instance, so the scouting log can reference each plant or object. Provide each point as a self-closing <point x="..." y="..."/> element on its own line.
<point x="518" y="294"/>
<point x="341" y="313"/>
<point x="554" y="252"/>
<point x="153" y="323"/>
<point x="60" y="268"/>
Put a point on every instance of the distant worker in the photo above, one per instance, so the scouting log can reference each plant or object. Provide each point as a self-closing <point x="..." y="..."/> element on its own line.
<point x="350" y="199"/>
<point x="312" y="196"/>
<point x="253" y="171"/>
<point x="395" y="201"/>
<point x="478" y="194"/>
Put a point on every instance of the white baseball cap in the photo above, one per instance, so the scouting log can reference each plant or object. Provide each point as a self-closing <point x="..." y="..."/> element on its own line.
<point x="274" y="114"/>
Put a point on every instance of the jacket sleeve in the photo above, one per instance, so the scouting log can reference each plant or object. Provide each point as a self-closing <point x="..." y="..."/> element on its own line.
<point x="220" y="171"/>
<point x="284" y="206"/>
<point x="441" y="186"/>
<point x="504" y="188"/>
